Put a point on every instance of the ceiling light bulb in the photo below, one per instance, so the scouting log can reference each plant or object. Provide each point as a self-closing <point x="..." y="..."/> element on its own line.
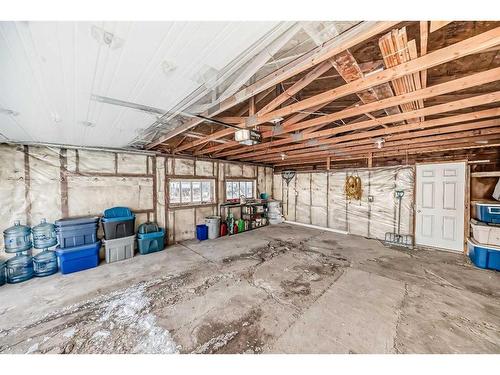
<point x="380" y="142"/>
<point x="283" y="156"/>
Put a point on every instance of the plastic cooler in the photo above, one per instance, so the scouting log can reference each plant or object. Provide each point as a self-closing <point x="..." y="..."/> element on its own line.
<point x="484" y="256"/>
<point x="484" y="233"/>
<point x="489" y="212"/>
<point x="76" y="232"/>
<point x="119" y="248"/>
<point x="118" y="222"/>
<point x="78" y="258"/>
<point x="150" y="238"/>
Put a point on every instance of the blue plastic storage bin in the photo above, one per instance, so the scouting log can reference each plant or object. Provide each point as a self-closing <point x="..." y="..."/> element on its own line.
<point x="484" y="256"/>
<point x="201" y="232"/>
<point x="78" y="258"/>
<point x="118" y="222"/>
<point x="489" y="212"/>
<point x="77" y="231"/>
<point x="151" y="242"/>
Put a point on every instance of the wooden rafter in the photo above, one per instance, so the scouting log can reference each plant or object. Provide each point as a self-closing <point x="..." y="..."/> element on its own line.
<point x="281" y="98"/>
<point x="369" y="137"/>
<point x="466" y="47"/>
<point x="348" y="39"/>
<point x="461" y="83"/>
<point x="437" y="147"/>
<point x="489" y="127"/>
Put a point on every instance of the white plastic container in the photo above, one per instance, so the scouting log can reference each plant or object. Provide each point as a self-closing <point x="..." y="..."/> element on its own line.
<point x="484" y="233"/>
<point x="119" y="248"/>
<point x="213" y="224"/>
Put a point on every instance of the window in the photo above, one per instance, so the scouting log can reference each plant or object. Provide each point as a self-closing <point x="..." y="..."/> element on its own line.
<point x="191" y="191"/>
<point x="235" y="189"/>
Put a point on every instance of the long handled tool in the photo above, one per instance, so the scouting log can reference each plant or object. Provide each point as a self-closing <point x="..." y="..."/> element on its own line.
<point x="398" y="239"/>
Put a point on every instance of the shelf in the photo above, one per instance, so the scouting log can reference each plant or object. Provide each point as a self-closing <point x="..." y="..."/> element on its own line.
<point x="485" y="174"/>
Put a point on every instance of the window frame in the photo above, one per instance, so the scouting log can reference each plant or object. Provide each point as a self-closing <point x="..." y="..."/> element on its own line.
<point x="238" y="181"/>
<point x="179" y="200"/>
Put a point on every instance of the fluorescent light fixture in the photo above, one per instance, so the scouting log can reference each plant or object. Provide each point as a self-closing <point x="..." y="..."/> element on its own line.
<point x="478" y="161"/>
<point x="247" y="137"/>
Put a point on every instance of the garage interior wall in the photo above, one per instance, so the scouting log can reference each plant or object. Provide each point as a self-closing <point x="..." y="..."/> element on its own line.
<point x="52" y="182"/>
<point x="318" y="198"/>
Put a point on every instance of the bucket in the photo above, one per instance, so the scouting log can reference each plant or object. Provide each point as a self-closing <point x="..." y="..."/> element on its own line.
<point x="201" y="232"/>
<point x="213" y="224"/>
<point x="223" y="229"/>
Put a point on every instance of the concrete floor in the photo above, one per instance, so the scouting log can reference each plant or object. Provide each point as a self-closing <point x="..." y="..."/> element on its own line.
<point x="279" y="289"/>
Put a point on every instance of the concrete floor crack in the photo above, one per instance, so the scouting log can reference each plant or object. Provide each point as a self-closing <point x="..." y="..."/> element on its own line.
<point x="400" y="310"/>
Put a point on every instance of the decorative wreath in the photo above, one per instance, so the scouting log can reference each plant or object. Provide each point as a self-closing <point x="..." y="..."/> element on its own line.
<point x="352" y="187"/>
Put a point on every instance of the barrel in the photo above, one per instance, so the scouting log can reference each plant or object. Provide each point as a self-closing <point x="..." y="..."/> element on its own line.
<point x="213" y="224"/>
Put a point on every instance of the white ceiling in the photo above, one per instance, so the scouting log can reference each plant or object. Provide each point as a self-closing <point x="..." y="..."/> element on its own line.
<point x="49" y="70"/>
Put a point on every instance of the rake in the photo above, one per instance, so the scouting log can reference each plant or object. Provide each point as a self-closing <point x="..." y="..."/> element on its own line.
<point x="398" y="239"/>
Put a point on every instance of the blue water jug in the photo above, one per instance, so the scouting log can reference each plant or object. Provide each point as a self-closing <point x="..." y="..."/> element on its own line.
<point x="17" y="238"/>
<point x="45" y="263"/>
<point x="3" y="276"/>
<point x="44" y="235"/>
<point x="19" y="268"/>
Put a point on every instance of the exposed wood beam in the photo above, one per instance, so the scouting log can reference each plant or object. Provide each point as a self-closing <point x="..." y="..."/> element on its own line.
<point x="397" y="132"/>
<point x="436" y="25"/>
<point x="280" y="98"/>
<point x="483" y="77"/>
<point x="391" y="144"/>
<point x="466" y="47"/>
<point x="401" y="151"/>
<point x="348" y="39"/>
<point x="369" y="138"/>
<point x="382" y="132"/>
<point x="424" y="37"/>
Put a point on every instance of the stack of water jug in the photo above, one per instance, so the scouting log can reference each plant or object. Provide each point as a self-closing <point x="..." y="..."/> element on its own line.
<point x="19" y="239"/>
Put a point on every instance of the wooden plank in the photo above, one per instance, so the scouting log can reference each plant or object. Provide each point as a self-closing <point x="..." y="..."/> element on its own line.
<point x="424" y="37"/>
<point x="436" y="25"/>
<point x="485" y="174"/>
<point x="348" y="39"/>
<point x="466" y="47"/>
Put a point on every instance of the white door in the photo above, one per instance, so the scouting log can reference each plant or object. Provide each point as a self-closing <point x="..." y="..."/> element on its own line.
<point x="440" y="205"/>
